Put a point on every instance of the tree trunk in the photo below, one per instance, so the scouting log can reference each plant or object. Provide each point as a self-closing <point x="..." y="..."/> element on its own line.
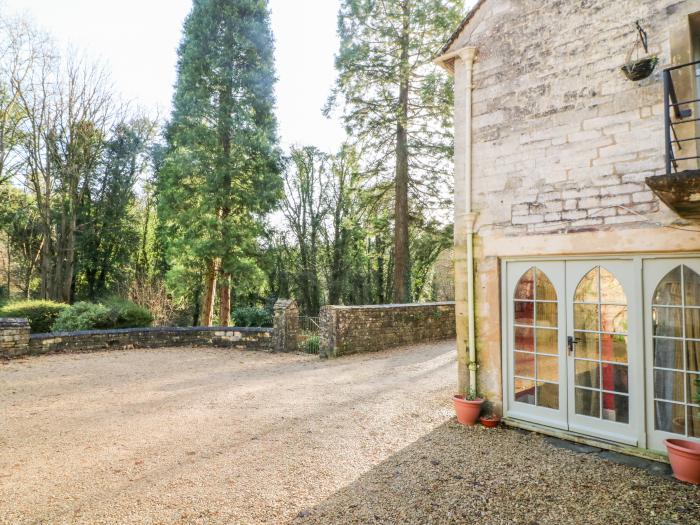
<point x="225" y="300"/>
<point x="209" y="293"/>
<point x="402" y="270"/>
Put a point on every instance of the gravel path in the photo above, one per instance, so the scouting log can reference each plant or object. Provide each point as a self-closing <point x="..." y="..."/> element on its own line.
<point x="216" y="436"/>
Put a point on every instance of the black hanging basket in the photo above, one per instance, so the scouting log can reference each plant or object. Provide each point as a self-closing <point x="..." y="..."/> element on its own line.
<point x="640" y="68"/>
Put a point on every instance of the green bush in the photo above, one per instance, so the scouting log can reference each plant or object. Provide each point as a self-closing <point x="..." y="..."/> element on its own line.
<point x="84" y="316"/>
<point x="127" y="314"/>
<point x="41" y="314"/>
<point x="312" y="345"/>
<point x="251" y="316"/>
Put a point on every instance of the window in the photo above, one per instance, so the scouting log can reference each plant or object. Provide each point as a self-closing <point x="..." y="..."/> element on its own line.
<point x="676" y="340"/>
<point x="536" y="347"/>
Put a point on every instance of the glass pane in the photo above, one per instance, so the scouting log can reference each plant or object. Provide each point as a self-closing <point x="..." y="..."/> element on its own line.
<point x="693" y="348"/>
<point x="613" y="318"/>
<point x="693" y="388"/>
<point x="545" y="290"/>
<point x="587" y="289"/>
<point x="547" y="341"/>
<point x="546" y="314"/>
<point x="614" y="348"/>
<point x="692" y="287"/>
<point x="616" y="408"/>
<point x="587" y="346"/>
<point x="667" y="321"/>
<point x="587" y="373"/>
<point x="524" y="313"/>
<point x="587" y="402"/>
<point x="692" y="323"/>
<point x="586" y="316"/>
<point x="548" y="395"/>
<point x="615" y="378"/>
<point x="547" y="368"/>
<point x="525" y="391"/>
<point x="669" y="289"/>
<point x="524" y="364"/>
<point x="669" y="385"/>
<point x="526" y="286"/>
<point x="669" y="417"/>
<point x="694" y="422"/>
<point x="610" y="289"/>
<point x="524" y="339"/>
<point x="668" y="353"/>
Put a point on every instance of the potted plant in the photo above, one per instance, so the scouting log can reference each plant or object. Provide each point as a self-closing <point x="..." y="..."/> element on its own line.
<point x="468" y="406"/>
<point x="684" y="454"/>
<point x="490" y="420"/>
<point x="641" y="67"/>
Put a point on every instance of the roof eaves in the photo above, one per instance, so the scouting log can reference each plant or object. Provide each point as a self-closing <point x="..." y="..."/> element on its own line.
<point x="461" y="26"/>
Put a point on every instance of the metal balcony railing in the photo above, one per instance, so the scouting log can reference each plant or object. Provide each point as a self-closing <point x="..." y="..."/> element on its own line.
<point x="676" y="113"/>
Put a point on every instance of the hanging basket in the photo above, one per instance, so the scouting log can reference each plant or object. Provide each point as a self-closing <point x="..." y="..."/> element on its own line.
<point x="640" y="69"/>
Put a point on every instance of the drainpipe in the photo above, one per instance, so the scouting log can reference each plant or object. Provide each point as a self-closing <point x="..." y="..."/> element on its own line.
<point x="449" y="61"/>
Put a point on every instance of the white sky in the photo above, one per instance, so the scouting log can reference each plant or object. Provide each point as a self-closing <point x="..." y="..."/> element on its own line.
<point x="137" y="39"/>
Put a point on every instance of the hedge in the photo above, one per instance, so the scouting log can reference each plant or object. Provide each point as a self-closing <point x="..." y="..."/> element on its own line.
<point x="41" y="314"/>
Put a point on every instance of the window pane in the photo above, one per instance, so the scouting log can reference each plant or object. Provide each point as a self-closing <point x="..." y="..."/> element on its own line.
<point x="693" y="355"/>
<point x="613" y="318"/>
<point x="548" y="395"/>
<point x="667" y="321"/>
<point x="526" y="286"/>
<point x="616" y="408"/>
<point x="694" y="422"/>
<point x="587" y="289"/>
<point x="525" y="391"/>
<point x="692" y="287"/>
<point x="669" y="289"/>
<point x="587" y="373"/>
<point x="547" y="341"/>
<point x="669" y="417"/>
<point x="692" y="323"/>
<point x="524" y="312"/>
<point x="524" y="364"/>
<point x="587" y="402"/>
<point x="547" y="368"/>
<point x="614" y="348"/>
<point x="587" y="346"/>
<point x="586" y="317"/>
<point x="545" y="289"/>
<point x="668" y="353"/>
<point x="693" y="388"/>
<point x="669" y="385"/>
<point x="524" y="339"/>
<point x="615" y="378"/>
<point x="610" y="288"/>
<point x="546" y="314"/>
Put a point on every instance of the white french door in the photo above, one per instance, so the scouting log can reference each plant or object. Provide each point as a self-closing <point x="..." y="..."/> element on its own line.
<point x="574" y="351"/>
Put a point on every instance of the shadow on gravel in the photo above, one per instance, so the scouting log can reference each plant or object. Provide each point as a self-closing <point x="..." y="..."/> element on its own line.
<point x="457" y="474"/>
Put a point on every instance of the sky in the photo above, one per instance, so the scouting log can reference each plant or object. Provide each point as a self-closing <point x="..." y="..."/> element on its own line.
<point x="137" y="41"/>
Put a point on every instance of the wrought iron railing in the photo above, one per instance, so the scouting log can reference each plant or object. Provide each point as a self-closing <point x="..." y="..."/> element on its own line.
<point x="310" y="325"/>
<point x="676" y="113"/>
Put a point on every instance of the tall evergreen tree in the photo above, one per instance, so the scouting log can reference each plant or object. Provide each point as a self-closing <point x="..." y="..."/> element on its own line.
<point x="398" y="106"/>
<point x="221" y="172"/>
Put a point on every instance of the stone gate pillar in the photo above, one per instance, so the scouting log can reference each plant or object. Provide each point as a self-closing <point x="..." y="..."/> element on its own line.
<point x="286" y="325"/>
<point x="14" y="336"/>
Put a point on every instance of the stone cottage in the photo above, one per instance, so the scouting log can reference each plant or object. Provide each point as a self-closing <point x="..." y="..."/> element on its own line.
<point x="577" y="194"/>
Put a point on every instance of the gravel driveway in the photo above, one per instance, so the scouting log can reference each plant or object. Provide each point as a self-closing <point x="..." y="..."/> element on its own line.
<point x="218" y="436"/>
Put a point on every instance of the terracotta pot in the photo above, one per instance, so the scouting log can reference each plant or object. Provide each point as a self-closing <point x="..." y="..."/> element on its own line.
<point x="467" y="411"/>
<point x="684" y="456"/>
<point x="490" y="421"/>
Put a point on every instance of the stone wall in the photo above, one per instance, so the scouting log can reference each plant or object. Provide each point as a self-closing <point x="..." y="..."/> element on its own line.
<point x="94" y="340"/>
<point x="353" y="329"/>
<point x="286" y="321"/>
<point x="14" y="336"/>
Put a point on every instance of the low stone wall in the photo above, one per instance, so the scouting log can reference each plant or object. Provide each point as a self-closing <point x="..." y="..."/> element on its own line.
<point x="14" y="336"/>
<point x="353" y="329"/>
<point x="89" y="341"/>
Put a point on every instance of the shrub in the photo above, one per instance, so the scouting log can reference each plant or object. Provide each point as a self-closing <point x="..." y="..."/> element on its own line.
<point x="84" y="316"/>
<point x="126" y="314"/>
<point x="251" y="316"/>
<point x="41" y="314"/>
<point x="312" y="345"/>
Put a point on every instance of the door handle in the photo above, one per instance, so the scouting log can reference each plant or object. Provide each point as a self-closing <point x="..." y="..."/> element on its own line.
<point x="571" y="342"/>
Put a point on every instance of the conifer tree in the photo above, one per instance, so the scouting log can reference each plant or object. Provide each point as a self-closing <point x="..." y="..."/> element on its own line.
<point x="221" y="171"/>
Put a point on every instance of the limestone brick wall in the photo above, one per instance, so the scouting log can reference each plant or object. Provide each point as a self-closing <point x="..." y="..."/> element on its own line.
<point x="354" y="329"/>
<point x="14" y="336"/>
